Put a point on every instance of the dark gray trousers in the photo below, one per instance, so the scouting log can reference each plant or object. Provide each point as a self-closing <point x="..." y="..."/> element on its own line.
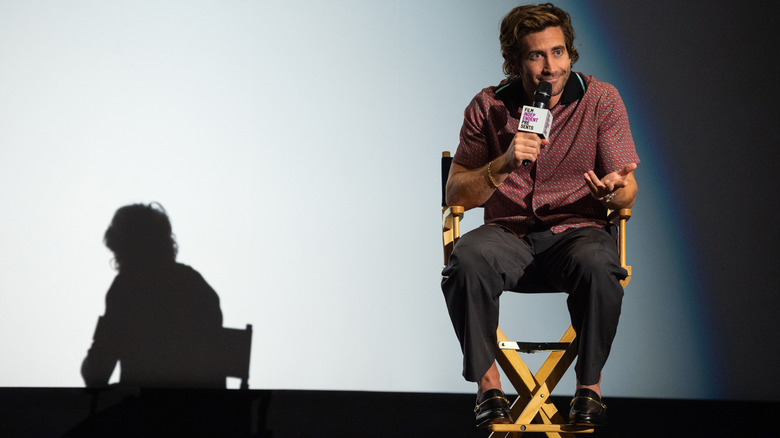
<point x="582" y="262"/>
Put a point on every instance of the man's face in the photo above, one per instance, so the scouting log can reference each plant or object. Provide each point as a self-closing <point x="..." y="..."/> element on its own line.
<point x="545" y="59"/>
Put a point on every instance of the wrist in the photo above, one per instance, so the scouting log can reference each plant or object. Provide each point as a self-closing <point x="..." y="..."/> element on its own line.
<point x="492" y="180"/>
<point x="609" y="197"/>
<point x="607" y="201"/>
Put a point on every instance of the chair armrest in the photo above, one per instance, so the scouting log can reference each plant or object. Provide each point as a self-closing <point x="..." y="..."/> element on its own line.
<point x="617" y="215"/>
<point x="619" y="218"/>
<point x="449" y="214"/>
<point x="450" y="228"/>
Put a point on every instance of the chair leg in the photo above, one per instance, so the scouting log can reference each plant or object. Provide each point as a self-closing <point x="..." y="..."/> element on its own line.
<point x="533" y="409"/>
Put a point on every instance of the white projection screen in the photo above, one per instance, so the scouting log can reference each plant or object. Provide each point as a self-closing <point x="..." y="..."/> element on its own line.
<point x="295" y="146"/>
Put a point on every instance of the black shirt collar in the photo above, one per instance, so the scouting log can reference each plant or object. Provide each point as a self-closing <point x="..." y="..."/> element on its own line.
<point x="574" y="89"/>
<point x="513" y="94"/>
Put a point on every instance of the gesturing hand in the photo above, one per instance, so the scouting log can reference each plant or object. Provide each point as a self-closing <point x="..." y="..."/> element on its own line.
<point x="601" y="188"/>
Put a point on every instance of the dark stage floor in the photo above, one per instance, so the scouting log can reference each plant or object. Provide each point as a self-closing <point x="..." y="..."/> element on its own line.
<point x="123" y="412"/>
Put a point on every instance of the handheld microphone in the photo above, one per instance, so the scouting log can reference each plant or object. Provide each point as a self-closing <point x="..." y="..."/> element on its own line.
<point x="537" y="118"/>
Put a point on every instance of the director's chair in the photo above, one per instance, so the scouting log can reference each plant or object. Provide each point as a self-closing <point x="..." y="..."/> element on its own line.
<point x="236" y="349"/>
<point x="533" y="409"/>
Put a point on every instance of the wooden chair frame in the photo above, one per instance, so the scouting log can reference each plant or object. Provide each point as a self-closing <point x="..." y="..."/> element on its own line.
<point x="533" y="409"/>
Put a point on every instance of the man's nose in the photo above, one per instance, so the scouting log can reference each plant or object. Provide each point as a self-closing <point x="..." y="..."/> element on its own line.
<point x="547" y="66"/>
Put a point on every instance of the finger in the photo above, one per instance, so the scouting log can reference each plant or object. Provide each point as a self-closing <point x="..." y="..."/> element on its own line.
<point x="593" y="182"/>
<point x="591" y="177"/>
<point x="527" y="157"/>
<point x="528" y="151"/>
<point x="525" y="138"/>
<point x="619" y="183"/>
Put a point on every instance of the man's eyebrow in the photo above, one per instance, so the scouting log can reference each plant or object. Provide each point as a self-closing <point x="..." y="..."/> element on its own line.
<point x="559" y="47"/>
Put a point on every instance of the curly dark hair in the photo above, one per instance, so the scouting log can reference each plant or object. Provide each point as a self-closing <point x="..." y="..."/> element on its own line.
<point x="524" y="20"/>
<point x="141" y="235"/>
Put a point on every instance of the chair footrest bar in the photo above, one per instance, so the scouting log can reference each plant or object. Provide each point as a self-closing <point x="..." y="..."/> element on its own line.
<point x="562" y="428"/>
<point x="533" y="347"/>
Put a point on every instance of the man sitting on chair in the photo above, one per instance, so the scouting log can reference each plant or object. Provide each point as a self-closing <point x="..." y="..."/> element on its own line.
<point x="545" y="203"/>
<point x="162" y="320"/>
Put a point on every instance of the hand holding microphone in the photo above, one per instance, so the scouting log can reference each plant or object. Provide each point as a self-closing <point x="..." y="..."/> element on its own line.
<point x="537" y="118"/>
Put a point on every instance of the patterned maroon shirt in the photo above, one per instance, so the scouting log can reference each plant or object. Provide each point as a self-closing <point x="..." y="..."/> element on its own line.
<point x="590" y="131"/>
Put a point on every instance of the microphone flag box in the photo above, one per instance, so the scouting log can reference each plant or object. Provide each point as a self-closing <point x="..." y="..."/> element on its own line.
<point x="536" y="120"/>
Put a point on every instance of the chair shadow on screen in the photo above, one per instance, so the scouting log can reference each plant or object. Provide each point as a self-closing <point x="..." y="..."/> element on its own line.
<point x="162" y="334"/>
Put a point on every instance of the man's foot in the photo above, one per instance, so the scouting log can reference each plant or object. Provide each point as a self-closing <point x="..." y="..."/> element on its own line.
<point x="492" y="408"/>
<point x="587" y="409"/>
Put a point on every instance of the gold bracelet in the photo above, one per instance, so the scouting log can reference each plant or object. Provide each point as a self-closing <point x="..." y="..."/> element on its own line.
<point x="491" y="181"/>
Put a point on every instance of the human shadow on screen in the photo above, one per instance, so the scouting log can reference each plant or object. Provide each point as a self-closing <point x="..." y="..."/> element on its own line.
<point x="162" y="327"/>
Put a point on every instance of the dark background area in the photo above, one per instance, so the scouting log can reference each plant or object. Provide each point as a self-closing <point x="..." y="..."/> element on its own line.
<point x="708" y="72"/>
<point x="299" y="414"/>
